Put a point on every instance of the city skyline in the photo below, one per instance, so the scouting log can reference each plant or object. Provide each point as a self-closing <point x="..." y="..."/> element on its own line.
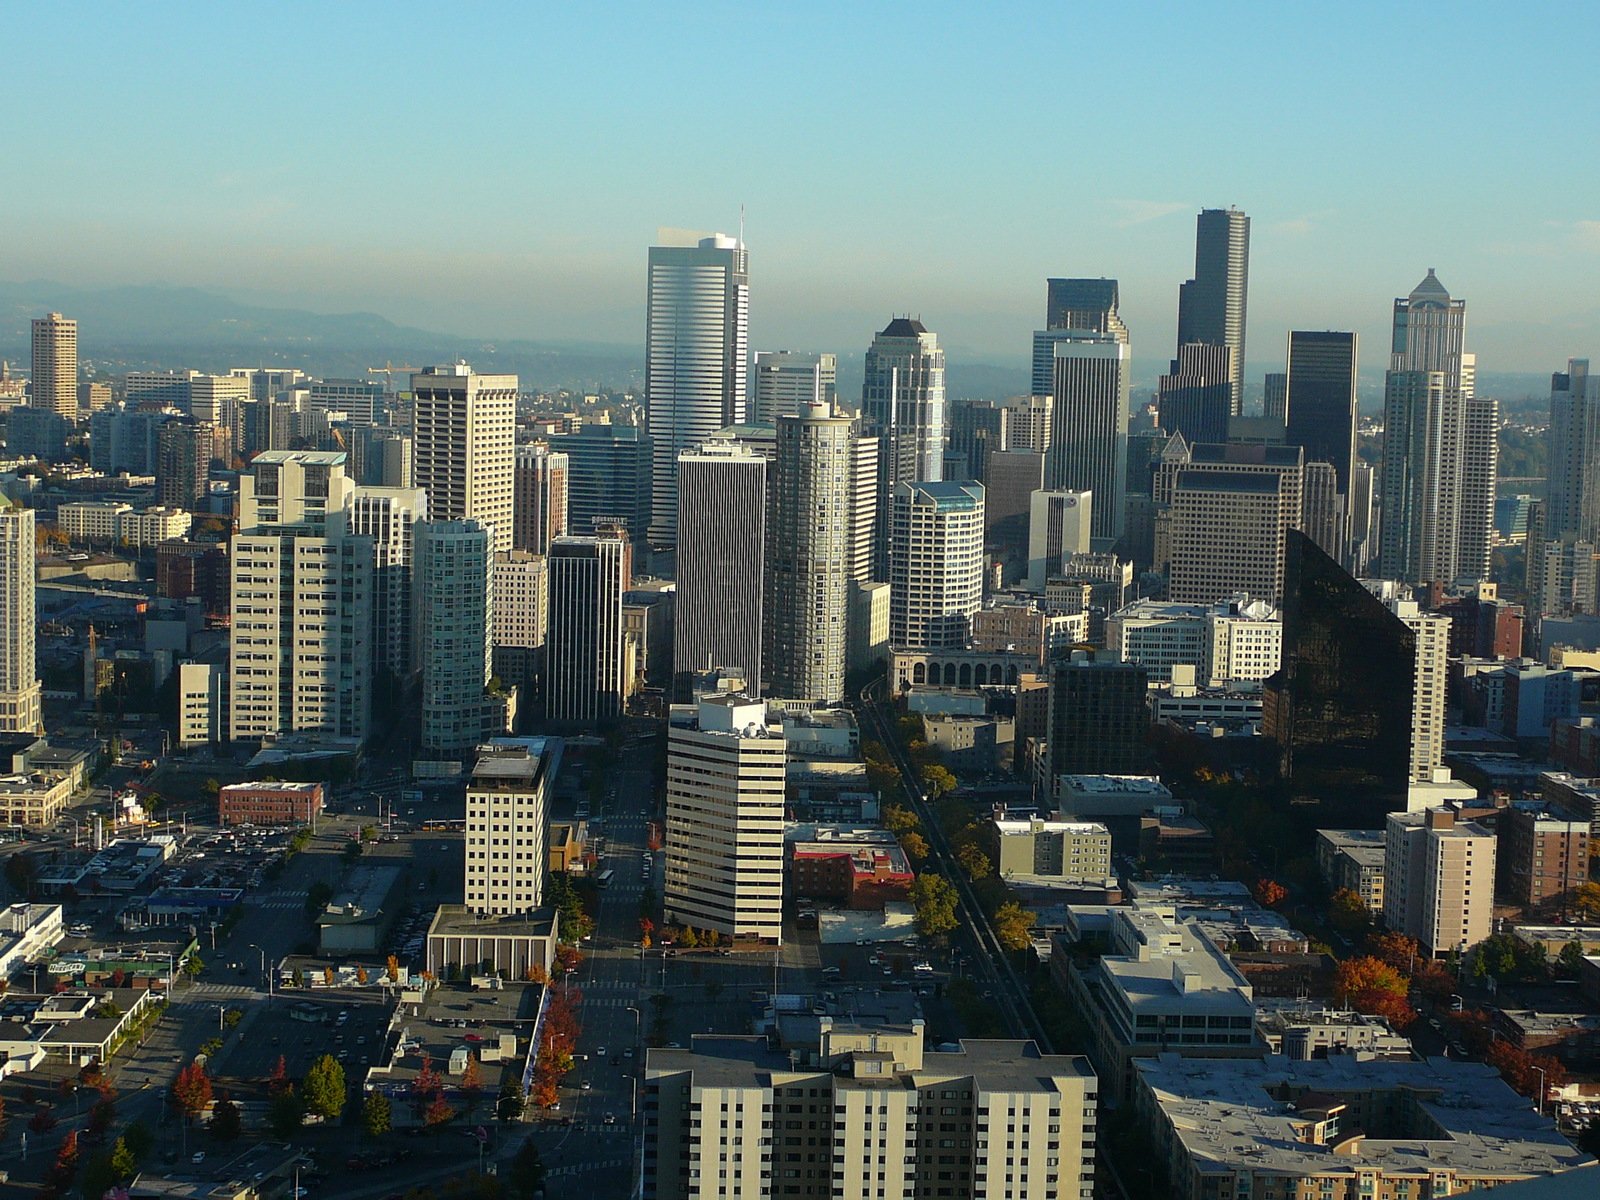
<point x="961" y="251"/>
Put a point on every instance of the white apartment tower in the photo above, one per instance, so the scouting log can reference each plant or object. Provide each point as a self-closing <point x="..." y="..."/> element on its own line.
<point x="785" y="380"/>
<point x="388" y="515"/>
<point x="540" y="498"/>
<point x="20" y="690"/>
<point x="903" y="406"/>
<point x="935" y="563"/>
<point x="585" y="668"/>
<point x="507" y="828"/>
<point x="54" y="381"/>
<point x="722" y="510"/>
<point x="1432" y="632"/>
<point x="697" y="350"/>
<point x="1438" y="879"/>
<point x="463" y="446"/>
<point x="454" y="617"/>
<point x="725" y="808"/>
<point x="300" y="658"/>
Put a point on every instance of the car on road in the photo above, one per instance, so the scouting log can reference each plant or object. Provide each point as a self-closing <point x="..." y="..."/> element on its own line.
<point x="585" y="1086"/>
<point x="198" y="1157"/>
<point x="610" y="1118"/>
<point x="601" y="1052"/>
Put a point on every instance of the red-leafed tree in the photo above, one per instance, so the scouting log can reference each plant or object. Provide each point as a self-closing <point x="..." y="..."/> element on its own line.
<point x="1269" y="893"/>
<point x="1380" y="1003"/>
<point x="279" y="1082"/>
<point x="191" y="1091"/>
<point x="1355" y="976"/>
<point x="1399" y="951"/>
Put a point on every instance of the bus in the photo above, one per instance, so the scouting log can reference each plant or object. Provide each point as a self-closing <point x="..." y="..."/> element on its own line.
<point x="604" y="878"/>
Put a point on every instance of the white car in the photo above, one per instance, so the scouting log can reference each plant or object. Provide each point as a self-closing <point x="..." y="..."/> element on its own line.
<point x="601" y="1052"/>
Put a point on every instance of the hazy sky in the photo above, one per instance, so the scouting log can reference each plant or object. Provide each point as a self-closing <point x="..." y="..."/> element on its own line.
<point x="501" y="169"/>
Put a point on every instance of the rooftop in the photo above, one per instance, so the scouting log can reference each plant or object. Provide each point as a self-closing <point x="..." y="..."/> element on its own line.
<point x="1105" y="785"/>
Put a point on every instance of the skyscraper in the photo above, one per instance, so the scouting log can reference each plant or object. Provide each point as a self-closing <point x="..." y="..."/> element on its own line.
<point x="902" y="405"/>
<point x="1099" y="721"/>
<point x="1572" y="488"/>
<point x="1083" y="305"/>
<point x="1089" y="442"/>
<point x="721" y="522"/>
<point x="785" y="379"/>
<point x="585" y="669"/>
<point x="1211" y="306"/>
<point x="464" y="446"/>
<point x="810" y="553"/>
<point x="1440" y="447"/>
<point x="540" y="498"/>
<point x="55" y="365"/>
<point x="454" y="618"/>
<point x="1059" y="525"/>
<point x="724" y="827"/>
<point x="183" y="463"/>
<point x="697" y="350"/>
<point x="521" y="612"/>
<point x="20" y="689"/>
<point x="507" y="827"/>
<point x="1195" y="397"/>
<point x="1320" y="400"/>
<point x="935" y="563"/>
<point x="300" y="658"/>
<point x="389" y="517"/>
<point x="608" y="478"/>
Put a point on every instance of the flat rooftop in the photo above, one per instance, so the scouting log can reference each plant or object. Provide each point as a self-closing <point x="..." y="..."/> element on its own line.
<point x="1105" y="785"/>
<point x="457" y="919"/>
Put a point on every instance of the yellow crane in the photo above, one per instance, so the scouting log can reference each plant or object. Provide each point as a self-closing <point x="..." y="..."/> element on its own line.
<point x="388" y="369"/>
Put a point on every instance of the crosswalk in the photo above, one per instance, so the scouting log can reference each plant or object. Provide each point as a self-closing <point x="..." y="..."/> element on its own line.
<point x="606" y="1164"/>
<point x="276" y="905"/>
<point x="206" y="993"/>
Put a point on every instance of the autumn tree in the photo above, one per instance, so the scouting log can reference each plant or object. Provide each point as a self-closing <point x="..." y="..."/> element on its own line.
<point x="471" y="1082"/>
<point x="278" y="1081"/>
<point x="191" y="1091"/>
<point x="391" y="969"/>
<point x="1347" y="912"/>
<point x="915" y="846"/>
<point x="1013" y="925"/>
<point x="1397" y="950"/>
<point x="1269" y="893"/>
<point x="425" y="1086"/>
<point x="438" y="1113"/>
<point x="1360" y="976"/>
<point x="1522" y="1070"/>
<point x="934" y="899"/>
<point x="646" y="928"/>
<point x="975" y="862"/>
<point x="66" y="1165"/>
<point x="936" y="779"/>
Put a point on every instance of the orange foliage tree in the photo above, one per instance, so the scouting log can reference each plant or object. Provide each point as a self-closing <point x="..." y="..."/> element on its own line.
<point x="1270" y="893"/>
<point x="1367" y="974"/>
<point x="1521" y="1069"/>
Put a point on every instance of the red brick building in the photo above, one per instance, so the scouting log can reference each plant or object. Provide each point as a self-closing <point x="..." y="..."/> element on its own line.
<point x="863" y="874"/>
<point x="268" y="803"/>
<point x="1540" y="856"/>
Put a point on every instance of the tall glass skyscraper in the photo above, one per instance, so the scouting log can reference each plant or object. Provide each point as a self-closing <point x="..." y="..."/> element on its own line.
<point x="902" y="404"/>
<point x="697" y="350"/>
<point x="1321" y="399"/>
<point x="1212" y="305"/>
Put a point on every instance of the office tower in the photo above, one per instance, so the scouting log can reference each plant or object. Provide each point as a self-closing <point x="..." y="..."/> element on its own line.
<point x="608" y="478"/>
<point x="1359" y="537"/>
<point x="463" y="446"/>
<point x="1340" y="706"/>
<point x="380" y="456"/>
<point x="1322" y="509"/>
<point x="54" y="382"/>
<point x="1275" y="396"/>
<point x="810" y="554"/>
<point x="785" y="380"/>
<point x="721" y="523"/>
<point x="265" y="425"/>
<point x="585" y="671"/>
<point x="540" y="500"/>
<point x="862" y="539"/>
<point x="215" y="400"/>
<point x="1440" y="448"/>
<point x="40" y="433"/>
<point x="856" y="1090"/>
<point x="507" y="828"/>
<point x="1195" y="397"/>
<point x="301" y="656"/>
<point x="20" y="689"/>
<point x="935" y="563"/>
<point x="697" y="352"/>
<point x="1430" y="656"/>
<point x="1027" y="422"/>
<point x="1320" y="400"/>
<point x="1098" y="718"/>
<point x="92" y="397"/>
<point x="521" y="610"/>
<point x="903" y="406"/>
<point x="1089" y="304"/>
<point x="389" y="517"/>
<point x="269" y="383"/>
<point x="1089" y="441"/>
<point x="1431" y="891"/>
<point x="183" y="463"/>
<point x="725" y="808"/>
<point x="1059" y="525"/>
<point x="1013" y="477"/>
<point x="1211" y="306"/>
<point x="973" y="428"/>
<point x="127" y="439"/>
<point x="1572" y="486"/>
<point x="1228" y="509"/>
<point x="157" y="389"/>
<point x="453" y="583"/>
<point x="360" y="400"/>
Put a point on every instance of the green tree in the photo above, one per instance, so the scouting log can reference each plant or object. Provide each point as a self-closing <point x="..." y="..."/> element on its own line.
<point x="1347" y="912"/>
<point x="510" y="1104"/>
<point x="286" y="1113"/>
<point x="225" y="1122"/>
<point x="899" y="820"/>
<point x="915" y="846"/>
<point x="936" y="779"/>
<point x="193" y="965"/>
<point x="124" y="1160"/>
<point x="934" y="899"/>
<point x="323" y="1088"/>
<point x="377" y="1117"/>
<point x="98" y="1177"/>
<point x="351" y="851"/>
<point x="525" y="1176"/>
<point x="1571" y="957"/>
<point x="975" y="862"/>
<point x="139" y="1139"/>
<point x="1013" y="925"/>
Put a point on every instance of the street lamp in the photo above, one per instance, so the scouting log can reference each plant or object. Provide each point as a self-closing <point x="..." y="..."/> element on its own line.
<point x="1539" y="1104"/>
<point x="633" y="1077"/>
<point x="263" y="954"/>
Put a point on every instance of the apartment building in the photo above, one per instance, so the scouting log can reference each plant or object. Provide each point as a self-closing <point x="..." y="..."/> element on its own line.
<point x="1352" y="859"/>
<point x="1438" y="879"/>
<point x="1057" y="850"/>
<point x="507" y="826"/>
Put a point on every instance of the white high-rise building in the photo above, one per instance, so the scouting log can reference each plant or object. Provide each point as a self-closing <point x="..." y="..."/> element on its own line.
<point x="903" y="406"/>
<point x="54" y="381"/>
<point x="935" y="563"/>
<point x="1059" y="526"/>
<point x="507" y="827"/>
<point x="785" y="380"/>
<point x="1438" y="879"/>
<point x="1432" y="632"/>
<point x="697" y="351"/>
<point x="453" y="581"/>
<point x="725" y="809"/>
<point x="20" y="689"/>
<point x="585" y="665"/>
<point x="388" y="516"/>
<point x="300" y="658"/>
<point x="218" y="400"/>
<point x="541" y="498"/>
<point x="722" y="511"/>
<point x="360" y="400"/>
<point x="464" y="446"/>
<point x="1089" y="439"/>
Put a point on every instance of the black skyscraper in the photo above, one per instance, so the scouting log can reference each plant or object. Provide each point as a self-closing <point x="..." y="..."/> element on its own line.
<point x="1212" y="306"/>
<point x="1339" y="706"/>
<point x="1099" y="724"/>
<point x="1321" y="399"/>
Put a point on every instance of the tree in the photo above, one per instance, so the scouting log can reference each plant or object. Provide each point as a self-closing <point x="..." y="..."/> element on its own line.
<point x="323" y="1088"/>
<point x="568" y="959"/>
<point x="1359" y="976"/>
<point x="361" y="975"/>
<point x="689" y="939"/>
<point x="1399" y="951"/>
<point x="1571" y="958"/>
<point x="915" y="846"/>
<point x="286" y="1113"/>
<point x="377" y="1117"/>
<point x="525" y="1177"/>
<point x="438" y="1113"/>
<point x="328" y="976"/>
<point x="42" y="1120"/>
<point x="975" y="862"/>
<point x="1013" y="925"/>
<point x="646" y="928"/>
<point x="1585" y="898"/>
<point x="1347" y="912"/>
<point x="278" y="1081"/>
<point x="98" y="1177"/>
<point x="191" y="1091"/>
<point x="1379" y="1002"/>
<point x="61" y="1175"/>
<point x="124" y="1161"/>
<point x="934" y="899"/>
<point x="225" y="1122"/>
<point x="510" y="1104"/>
<point x="351" y="851"/>
<point x="1270" y="893"/>
<point x="102" y="1115"/>
<point x="936" y="779"/>
<point x="139" y="1139"/>
<point x="471" y="1081"/>
<point x="391" y="969"/>
<point x="898" y="820"/>
<point x="193" y="965"/>
<point x="1522" y="1070"/>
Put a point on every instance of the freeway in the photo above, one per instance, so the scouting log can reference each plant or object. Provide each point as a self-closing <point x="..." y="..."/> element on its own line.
<point x="990" y="960"/>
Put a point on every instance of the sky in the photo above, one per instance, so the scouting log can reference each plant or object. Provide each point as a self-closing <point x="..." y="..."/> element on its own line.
<point x="500" y="169"/>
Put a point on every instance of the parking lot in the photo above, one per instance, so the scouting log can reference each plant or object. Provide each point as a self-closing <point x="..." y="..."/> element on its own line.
<point x="350" y="1028"/>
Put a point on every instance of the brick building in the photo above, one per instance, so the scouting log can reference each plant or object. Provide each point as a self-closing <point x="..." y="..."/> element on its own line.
<point x="1541" y="855"/>
<point x="268" y="803"/>
<point x="861" y="869"/>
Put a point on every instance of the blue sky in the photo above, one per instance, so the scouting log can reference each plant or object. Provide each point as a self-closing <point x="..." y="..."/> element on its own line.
<point x="500" y="168"/>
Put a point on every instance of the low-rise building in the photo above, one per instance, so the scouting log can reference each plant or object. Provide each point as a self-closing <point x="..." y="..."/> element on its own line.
<point x="1352" y="860"/>
<point x="358" y="918"/>
<point x="33" y="801"/>
<point x="1040" y="849"/>
<point x="1110" y="795"/>
<point x="26" y="930"/>
<point x="268" y="803"/>
<point x="1173" y="841"/>
<point x="1572" y="796"/>
<point x="858" y="868"/>
<point x="830" y="733"/>
<point x="90" y="521"/>
<point x="568" y="845"/>
<point x="1345" y="1127"/>
<point x="462" y="942"/>
<point x="153" y="526"/>
<point x="1295" y="1030"/>
<point x="972" y="743"/>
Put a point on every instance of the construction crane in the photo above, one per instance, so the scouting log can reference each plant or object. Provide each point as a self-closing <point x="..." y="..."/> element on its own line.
<point x="388" y="369"/>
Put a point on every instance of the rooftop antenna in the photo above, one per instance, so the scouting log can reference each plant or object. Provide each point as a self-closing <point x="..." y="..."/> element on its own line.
<point x="741" y="224"/>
